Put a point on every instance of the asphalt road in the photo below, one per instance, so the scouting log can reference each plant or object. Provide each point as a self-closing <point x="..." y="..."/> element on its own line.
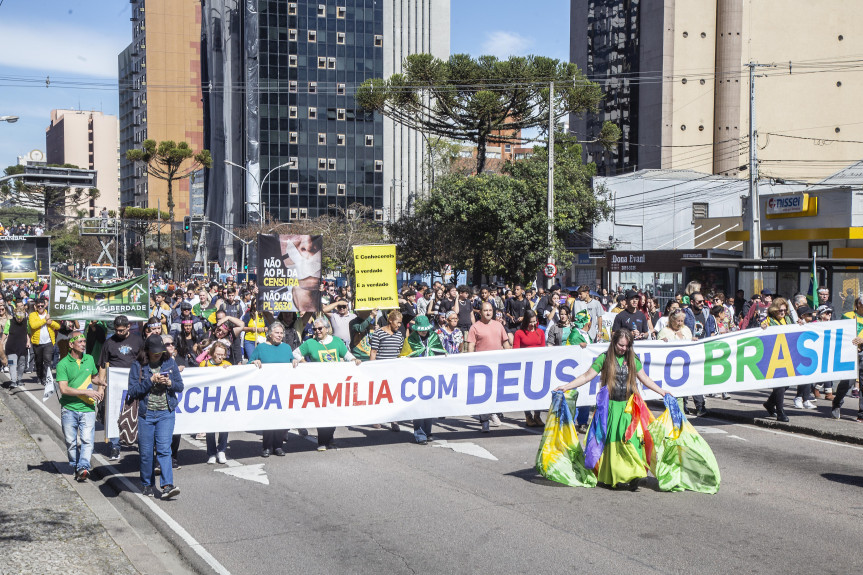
<point x="381" y="504"/>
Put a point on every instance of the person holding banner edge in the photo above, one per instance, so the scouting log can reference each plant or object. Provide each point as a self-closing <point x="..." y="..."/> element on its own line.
<point x="274" y="350"/>
<point x="323" y="348"/>
<point x="777" y="314"/>
<point x="623" y="462"/>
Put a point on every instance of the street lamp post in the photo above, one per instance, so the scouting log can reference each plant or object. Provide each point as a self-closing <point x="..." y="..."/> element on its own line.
<point x="260" y="185"/>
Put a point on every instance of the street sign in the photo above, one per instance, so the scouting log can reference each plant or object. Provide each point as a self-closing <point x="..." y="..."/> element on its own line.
<point x="233" y="271"/>
<point x="596" y="254"/>
<point x="550" y="270"/>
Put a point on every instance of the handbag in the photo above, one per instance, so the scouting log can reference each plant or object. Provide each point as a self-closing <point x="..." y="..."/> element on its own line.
<point x="128" y="420"/>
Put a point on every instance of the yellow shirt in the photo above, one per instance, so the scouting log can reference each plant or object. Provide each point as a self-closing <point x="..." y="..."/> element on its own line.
<point x="261" y="329"/>
<point x="209" y="363"/>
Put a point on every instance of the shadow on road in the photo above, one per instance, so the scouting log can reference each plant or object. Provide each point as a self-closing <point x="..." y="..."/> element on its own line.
<point x="856" y="480"/>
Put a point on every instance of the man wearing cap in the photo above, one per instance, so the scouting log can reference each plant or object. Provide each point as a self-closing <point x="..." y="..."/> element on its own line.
<point x="121" y="350"/>
<point x="340" y="319"/>
<point x="423" y="342"/>
<point x="185" y="317"/>
<point x="631" y="318"/>
<point x="76" y="378"/>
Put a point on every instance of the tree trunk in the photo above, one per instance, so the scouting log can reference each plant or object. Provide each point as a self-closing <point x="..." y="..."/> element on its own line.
<point x="476" y="274"/>
<point x="171" y="223"/>
<point x="480" y="154"/>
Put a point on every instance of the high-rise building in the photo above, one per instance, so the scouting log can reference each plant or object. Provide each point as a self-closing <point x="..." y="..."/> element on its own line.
<point x="87" y="139"/>
<point x="160" y="95"/>
<point x="676" y="82"/>
<point x="281" y="105"/>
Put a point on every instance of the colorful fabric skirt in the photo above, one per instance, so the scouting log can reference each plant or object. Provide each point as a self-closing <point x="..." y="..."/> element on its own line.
<point x="623" y="459"/>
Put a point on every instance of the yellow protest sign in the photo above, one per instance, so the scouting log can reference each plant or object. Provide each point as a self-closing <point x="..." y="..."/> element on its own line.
<point x="375" y="269"/>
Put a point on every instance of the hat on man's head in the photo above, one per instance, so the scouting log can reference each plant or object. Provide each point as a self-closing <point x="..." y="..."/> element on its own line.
<point x="822" y="309"/>
<point x="767" y="291"/>
<point x="805" y="310"/>
<point x="185" y="306"/>
<point x="421" y="324"/>
<point x="631" y="294"/>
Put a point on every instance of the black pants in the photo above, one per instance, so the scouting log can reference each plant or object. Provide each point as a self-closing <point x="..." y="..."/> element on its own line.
<point x="273" y="438"/>
<point x="804" y="391"/>
<point x="175" y="446"/>
<point x="842" y="390"/>
<point x="777" y="399"/>
<point x="325" y="435"/>
<point x="44" y="353"/>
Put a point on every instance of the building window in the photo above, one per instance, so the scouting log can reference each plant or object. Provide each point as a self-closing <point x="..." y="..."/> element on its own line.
<point x="370" y="140"/>
<point x="313" y="113"/>
<point x="340" y="114"/>
<point x="295" y="189"/>
<point x="322" y="63"/>
<point x="293" y="213"/>
<point x="322" y="138"/>
<point x="340" y="37"/>
<point x="379" y="40"/>
<point x="700" y="210"/>
<point x="292" y="8"/>
<point x="379" y="166"/>
<point x="292" y="35"/>
<point x="313" y="36"/>
<point x="331" y="63"/>
<point x="292" y="86"/>
<point x="292" y="60"/>
<point x="507" y="148"/>
<point x="292" y="138"/>
<point x="820" y="249"/>
<point x="304" y="213"/>
<point x="379" y="215"/>
<point x="322" y="189"/>
<point x="340" y="139"/>
<point x="322" y="163"/>
<point x="322" y="10"/>
<point x="331" y="164"/>
<point x="341" y="190"/>
<point x="313" y="87"/>
<point x="340" y="89"/>
<point x="341" y="11"/>
<point x="293" y="163"/>
<point x="771" y="251"/>
<point x="292" y="112"/>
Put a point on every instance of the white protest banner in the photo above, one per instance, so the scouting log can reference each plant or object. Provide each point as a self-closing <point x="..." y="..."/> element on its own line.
<point x="245" y="398"/>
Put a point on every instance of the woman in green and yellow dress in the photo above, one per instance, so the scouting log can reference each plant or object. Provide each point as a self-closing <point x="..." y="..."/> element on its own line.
<point x="618" y="447"/>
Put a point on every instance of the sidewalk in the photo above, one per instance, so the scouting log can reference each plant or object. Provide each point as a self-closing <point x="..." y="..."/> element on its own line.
<point x="746" y="407"/>
<point x="46" y="526"/>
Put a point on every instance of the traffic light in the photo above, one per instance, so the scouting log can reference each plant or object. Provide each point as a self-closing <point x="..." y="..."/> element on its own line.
<point x="245" y="267"/>
<point x="187" y="223"/>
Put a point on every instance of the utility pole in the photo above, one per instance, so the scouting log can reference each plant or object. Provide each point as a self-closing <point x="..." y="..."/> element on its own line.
<point x="551" y="178"/>
<point x="754" y="204"/>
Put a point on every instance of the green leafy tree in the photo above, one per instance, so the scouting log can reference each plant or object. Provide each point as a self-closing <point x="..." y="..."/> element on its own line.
<point x="51" y="201"/>
<point x="13" y="215"/>
<point x="170" y="161"/>
<point x="483" y="100"/>
<point x="498" y="224"/>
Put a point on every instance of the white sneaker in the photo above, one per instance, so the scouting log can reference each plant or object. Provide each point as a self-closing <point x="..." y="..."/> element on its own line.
<point x="495" y="420"/>
<point x="220" y="457"/>
<point x="798" y="402"/>
<point x="809" y="405"/>
<point x="211" y="460"/>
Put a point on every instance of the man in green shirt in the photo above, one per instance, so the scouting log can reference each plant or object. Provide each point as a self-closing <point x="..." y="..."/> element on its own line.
<point x="80" y="389"/>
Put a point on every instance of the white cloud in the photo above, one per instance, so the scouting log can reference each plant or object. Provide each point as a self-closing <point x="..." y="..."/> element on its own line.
<point x="504" y="44"/>
<point x="60" y="49"/>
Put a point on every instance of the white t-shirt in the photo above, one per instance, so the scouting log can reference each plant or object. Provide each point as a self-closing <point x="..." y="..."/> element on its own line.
<point x="44" y="336"/>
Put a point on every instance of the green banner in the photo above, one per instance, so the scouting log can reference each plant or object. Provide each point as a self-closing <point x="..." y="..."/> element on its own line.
<point x="75" y="299"/>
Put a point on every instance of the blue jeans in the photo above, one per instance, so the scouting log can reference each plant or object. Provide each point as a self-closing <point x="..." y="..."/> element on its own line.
<point x="422" y="429"/>
<point x="78" y="424"/>
<point x="212" y="448"/>
<point x="156" y="427"/>
<point x="248" y="348"/>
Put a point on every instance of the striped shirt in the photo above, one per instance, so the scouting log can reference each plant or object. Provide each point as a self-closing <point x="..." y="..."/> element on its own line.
<point x="387" y="346"/>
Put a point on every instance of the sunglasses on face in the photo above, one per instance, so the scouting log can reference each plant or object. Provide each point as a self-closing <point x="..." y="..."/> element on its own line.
<point x="319" y="329"/>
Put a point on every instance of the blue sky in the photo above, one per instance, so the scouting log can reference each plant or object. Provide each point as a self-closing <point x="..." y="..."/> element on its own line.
<point x="75" y="43"/>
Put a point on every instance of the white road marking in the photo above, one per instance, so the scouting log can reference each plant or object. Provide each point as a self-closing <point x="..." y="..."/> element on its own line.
<point x="705" y="430"/>
<point x="795" y="435"/>
<point x="465" y="447"/>
<point x="737" y="437"/>
<point x="254" y="472"/>
<point x="136" y="491"/>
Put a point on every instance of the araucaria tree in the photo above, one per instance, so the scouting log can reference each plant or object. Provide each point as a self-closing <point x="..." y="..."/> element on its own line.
<point x="50" y="200"/>
<point x="170" y="161"/>
<point x="484" y="100"/>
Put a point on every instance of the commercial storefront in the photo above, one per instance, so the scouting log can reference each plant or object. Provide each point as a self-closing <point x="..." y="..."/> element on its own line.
<point x="826" y="222"/>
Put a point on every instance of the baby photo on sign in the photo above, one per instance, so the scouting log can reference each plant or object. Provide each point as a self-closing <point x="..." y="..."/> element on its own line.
<point x="291" y="266"/>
